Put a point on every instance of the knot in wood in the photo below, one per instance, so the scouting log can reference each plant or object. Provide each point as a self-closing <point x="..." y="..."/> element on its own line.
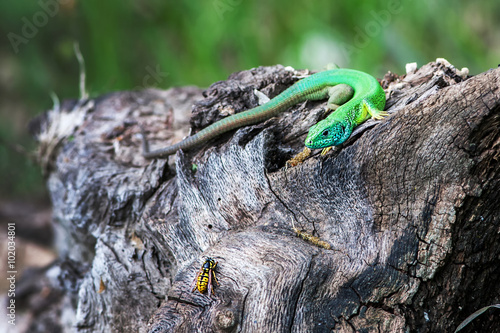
<point x="226" y="319"/>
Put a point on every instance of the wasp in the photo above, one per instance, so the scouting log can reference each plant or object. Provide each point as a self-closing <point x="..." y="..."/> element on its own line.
<point x="203" y="280"/>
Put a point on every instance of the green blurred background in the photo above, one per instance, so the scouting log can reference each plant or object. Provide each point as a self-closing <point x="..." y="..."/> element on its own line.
<point x="161" y="43"/>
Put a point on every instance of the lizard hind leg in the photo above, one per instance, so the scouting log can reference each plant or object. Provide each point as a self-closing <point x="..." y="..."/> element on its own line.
<point x="338" y="95"/>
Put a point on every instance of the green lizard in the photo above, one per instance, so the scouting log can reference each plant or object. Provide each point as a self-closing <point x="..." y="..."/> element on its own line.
<point x="368" y="100"/>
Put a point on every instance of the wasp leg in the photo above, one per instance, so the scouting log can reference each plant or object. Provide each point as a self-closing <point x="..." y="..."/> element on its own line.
<point x="215" y="278"/>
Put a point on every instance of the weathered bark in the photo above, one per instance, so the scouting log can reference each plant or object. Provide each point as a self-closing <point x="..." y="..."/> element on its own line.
<point x="410" y="206"/>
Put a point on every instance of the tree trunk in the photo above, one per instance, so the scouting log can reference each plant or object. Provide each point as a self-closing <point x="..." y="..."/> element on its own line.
<point x="409" y="206"/>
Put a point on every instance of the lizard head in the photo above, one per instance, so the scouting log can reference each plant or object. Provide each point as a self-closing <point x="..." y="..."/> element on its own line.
<point x="328" y="133"/>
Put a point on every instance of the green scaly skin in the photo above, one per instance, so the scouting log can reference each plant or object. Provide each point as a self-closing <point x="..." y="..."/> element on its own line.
<point x="368" y="100"/>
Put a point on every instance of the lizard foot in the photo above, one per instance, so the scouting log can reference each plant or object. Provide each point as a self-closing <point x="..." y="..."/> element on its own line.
<point x="379" y="114"/>
<point x="325" y="151"/>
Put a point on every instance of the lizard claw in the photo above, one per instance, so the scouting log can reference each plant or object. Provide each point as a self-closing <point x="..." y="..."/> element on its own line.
<point x="379" y="115"/>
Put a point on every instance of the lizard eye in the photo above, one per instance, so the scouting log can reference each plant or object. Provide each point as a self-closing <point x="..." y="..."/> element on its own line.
<point x="325" y="133"/>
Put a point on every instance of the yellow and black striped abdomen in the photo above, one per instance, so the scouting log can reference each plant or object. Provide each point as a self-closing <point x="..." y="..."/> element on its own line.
<point x="202" y="281"/>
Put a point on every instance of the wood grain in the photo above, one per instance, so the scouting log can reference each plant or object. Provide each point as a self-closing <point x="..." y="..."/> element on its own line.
<point x="409" y="205"/>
